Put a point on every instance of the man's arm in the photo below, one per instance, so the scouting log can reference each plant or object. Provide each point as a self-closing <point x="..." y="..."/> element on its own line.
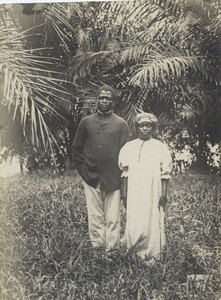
<point x="125" y="134"/>
<point x="78" y="145"/>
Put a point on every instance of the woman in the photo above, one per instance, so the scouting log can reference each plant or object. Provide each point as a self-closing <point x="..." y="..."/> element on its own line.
<point x="146" y="164"/>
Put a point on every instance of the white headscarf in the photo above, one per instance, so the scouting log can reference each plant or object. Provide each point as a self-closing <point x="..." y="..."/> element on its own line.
<point x="150" y="118"/>
<point x="145" y="117"/>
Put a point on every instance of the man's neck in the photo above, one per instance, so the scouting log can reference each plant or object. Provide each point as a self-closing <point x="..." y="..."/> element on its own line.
<point x="105" y="113"/>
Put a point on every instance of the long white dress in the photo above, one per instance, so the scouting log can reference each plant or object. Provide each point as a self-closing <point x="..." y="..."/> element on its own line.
<point x="145" y="163"/>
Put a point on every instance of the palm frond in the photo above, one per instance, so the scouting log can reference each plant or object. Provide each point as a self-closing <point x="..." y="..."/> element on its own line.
<point x="134" y="53"/>
<point x="203" y="9"/>
<point x="164" y="8"/>
<point x="81" y="65"/>
<point x="129" y="113"/>
<point x="83" y="39"/>
<point x="187" y="112"/>
<point x="165" y="31"/>
<point x="166" y="64"/>
<point x="57" y="20"/>
<point x="165" y="119"/>
<point x="28" y="87"/>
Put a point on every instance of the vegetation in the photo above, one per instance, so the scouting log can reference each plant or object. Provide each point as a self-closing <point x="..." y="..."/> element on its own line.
<point x="45" y="252"/>
<point x="162" y="56"/>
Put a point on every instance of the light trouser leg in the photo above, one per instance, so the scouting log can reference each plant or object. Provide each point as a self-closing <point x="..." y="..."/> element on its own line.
<point x="112" y="216"/>
<point x="96" y="218"/>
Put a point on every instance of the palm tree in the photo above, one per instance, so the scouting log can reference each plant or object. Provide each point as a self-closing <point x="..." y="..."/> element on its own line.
<point x="160" y="54"/>
<point x="181" y="54"/>
<point x="170" y="58"/>
<point x="30" y="87"/>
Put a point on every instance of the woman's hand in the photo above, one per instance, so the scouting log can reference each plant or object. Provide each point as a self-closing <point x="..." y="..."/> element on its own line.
<point x="124" y="191"/>
<point x="162" y="202"/>
<point x="163" y="198"/>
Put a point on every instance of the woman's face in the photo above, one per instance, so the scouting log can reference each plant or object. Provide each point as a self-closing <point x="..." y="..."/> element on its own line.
<point x="144" y="130"/>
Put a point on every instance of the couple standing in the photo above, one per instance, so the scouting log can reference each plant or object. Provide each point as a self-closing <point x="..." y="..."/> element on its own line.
<point x="112" y="167"/>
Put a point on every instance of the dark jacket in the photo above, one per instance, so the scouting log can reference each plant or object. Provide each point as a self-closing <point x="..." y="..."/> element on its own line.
<point x="96" y="146"/>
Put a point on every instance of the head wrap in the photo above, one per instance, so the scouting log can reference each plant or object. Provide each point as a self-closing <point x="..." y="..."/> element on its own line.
<point x="108" y="88"/>
<point x="145" y="117"/>
<point x="150" y="118"/>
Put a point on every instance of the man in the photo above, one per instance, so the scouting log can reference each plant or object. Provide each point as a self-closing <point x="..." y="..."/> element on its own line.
<point x="96" y="146"/>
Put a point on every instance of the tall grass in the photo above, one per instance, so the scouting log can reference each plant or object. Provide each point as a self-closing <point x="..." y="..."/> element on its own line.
<point x="45" y="252"/>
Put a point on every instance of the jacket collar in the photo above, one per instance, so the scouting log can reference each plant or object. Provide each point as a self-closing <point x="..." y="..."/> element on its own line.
<point x="108" y="113"/>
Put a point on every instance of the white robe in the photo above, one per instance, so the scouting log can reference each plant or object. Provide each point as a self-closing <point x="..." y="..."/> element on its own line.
<point x="145" y="163"/>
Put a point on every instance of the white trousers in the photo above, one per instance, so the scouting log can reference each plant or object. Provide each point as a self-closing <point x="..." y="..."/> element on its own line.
<point x="103" y="209"/>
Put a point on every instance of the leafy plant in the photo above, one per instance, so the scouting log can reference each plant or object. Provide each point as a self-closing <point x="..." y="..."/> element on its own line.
<point x="46" y="253"/>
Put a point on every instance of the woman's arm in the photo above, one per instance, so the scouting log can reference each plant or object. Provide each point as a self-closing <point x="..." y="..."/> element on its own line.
<point x="163" y="198"/>
<point x="124" y="182"/>
<point x="166" y="168"/>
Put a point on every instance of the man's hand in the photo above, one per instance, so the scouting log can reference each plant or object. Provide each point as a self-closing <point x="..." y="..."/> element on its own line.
<point x="162" y="202"/>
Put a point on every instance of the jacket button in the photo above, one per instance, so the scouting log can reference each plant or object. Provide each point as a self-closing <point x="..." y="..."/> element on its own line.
<point x="99" y="146"/>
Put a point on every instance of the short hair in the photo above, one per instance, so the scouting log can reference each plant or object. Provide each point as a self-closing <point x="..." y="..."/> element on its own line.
<point x="108" y="88"/>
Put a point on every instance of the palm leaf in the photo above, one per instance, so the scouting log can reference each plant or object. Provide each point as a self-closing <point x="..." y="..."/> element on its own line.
<point x="83" y="39"/>
<point x="129" y="113"/>
<point x="81" y="65"/>
<point x="187" y="112"/>
<point x="165" y="120"/>
<point x="165" y="63"/>
<point x="28" y="88"/>
<point x="134" y="53"/>
<point x="57" y="19"/>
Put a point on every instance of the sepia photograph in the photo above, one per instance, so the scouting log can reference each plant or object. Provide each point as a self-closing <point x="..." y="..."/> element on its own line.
<point x="110" y="150"/>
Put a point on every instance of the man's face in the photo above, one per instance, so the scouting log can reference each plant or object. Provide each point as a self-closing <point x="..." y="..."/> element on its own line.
<point x="105" y="101"/>
<point x="144" y="130"/>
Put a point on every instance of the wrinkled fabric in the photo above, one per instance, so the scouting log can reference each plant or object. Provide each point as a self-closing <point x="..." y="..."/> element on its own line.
<point x="103" y="217"/>
<point x="96" y="147"/>
<point x="145" y="163"/>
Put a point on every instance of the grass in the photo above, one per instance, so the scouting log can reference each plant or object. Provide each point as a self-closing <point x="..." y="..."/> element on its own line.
<point x="45" y="252"/>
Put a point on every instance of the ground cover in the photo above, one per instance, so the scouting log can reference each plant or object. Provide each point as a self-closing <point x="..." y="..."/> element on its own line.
<point x="45" y="252"/>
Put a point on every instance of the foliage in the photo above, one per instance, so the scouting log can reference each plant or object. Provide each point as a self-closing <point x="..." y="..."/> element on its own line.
<point x="46" y="254"/>
<point x="30" y="87"/>
<point x="162" y="56"/>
